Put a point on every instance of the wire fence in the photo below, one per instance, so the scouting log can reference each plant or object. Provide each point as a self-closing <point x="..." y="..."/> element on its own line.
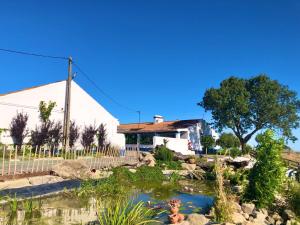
<point x="29" y="160"/>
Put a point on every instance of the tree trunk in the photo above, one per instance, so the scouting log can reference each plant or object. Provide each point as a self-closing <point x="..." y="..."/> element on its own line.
<point x="243" y="145"/>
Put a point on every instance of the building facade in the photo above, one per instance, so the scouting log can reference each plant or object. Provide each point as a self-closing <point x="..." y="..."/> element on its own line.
<point x="84" y="110"/>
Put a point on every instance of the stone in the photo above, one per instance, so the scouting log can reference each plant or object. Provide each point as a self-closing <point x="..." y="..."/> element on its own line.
<point x="236" y="206"/>
<point x="276" y="216"/>
<point x="23" y="182"/>
<point x="288" y="214"/>
<point x="187" y="166"/>
<point x="148" y="159"/>
<point x="259" y="216"/>
<point x="184" y="223"/>
<point x="98" y="174"/>
<point x="238" y="218"/>
<point x="264" y="211"/>
<point x="197" y="174"/>
<point x="197" y="219"/>
<point x="47" y="179"/>
<point x="132" y="170"/>
<point x="237" y="189"/>
<point x="270" y="220"/>
<point x="246" y="215"/>
<point x="248" y="208"/>
<point x="72" y="169"/>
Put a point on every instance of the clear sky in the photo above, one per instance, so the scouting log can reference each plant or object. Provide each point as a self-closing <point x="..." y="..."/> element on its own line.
<point x="157" y="56"/>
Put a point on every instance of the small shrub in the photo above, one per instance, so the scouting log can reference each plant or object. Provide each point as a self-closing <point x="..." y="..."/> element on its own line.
<point x="163" y="153"/>
<point x="151" y="174"/>
<point x="267" y="176"/>
<point x="294" y="198"/>
<point x="171" y="165"/>
<point x="235" y="152"/>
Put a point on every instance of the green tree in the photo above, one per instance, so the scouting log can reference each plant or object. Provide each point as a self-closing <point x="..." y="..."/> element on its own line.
<point x="46" y="110"/>
<point x="248" y="105"/>
<point x="228" y="140"/>
<point x="207" y="142"/>
<point x="267" y="176"/>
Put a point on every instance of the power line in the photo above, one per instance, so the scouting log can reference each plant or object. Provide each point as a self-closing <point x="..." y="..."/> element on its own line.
<point x="33" y="54"/>
<point x="26" y="106"/>
<point x="103" y="92"/>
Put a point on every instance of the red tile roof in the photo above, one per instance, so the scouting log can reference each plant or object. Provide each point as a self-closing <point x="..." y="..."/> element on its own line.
<point x="147" y="127"/>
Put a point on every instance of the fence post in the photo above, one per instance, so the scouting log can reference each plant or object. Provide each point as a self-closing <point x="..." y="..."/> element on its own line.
<point x="44" y="153"/>
<point x="22" y="159"/>
<point x="3" y="160"/>
<point x="33" y="162"/>
<point x="37" y="168"/>
<point x="29" y="159"/>
<point x="9" y="160"/>
<point x="16" y="156"/>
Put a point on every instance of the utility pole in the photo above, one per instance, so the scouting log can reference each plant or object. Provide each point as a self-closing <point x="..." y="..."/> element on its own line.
<point x="66" y="131"/>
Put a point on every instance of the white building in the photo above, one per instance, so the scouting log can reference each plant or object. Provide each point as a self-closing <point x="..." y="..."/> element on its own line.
<point x="181" y="135"/>
<point x="84" y="109"/>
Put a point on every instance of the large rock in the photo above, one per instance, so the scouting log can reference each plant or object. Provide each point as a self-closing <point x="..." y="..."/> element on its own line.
<point x="197" y="219"/>
<point x="236" y="206"/>
<point x="147" y="158"/>
<point x="187" y="166"/>
<point x="238" y="218"/>
<point x="72" y="169"/>
<point x="248" y="208"/>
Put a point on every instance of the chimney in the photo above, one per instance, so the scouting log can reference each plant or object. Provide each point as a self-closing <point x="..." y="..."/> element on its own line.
<point x="158" y="119"/>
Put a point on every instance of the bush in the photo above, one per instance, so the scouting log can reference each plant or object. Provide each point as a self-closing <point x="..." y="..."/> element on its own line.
<point x="163" y="153"/>
<point x="235" y="152"/>
<point x="267" y="176"/>
<point x="294" y="198"/>
<point x="149" y="174"/>
<point x="171" y="165"/>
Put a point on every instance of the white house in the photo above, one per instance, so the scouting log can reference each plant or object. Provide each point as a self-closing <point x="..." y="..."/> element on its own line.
<point x="181" y="135"/>
<point x="84" y="109"/>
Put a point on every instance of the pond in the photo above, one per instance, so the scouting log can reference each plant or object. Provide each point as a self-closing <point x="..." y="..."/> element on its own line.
<point x="196" y="196"/>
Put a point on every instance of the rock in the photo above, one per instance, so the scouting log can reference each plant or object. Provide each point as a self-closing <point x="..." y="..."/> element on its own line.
<point x="240" y="162"/>
<point x="23" y="182"/>
<point x="73" y="169"/>
<point x="276" y="217"/>
<point x="132" y="170"/>
<point x="264" y="211"/>
<point x="47" y="179"/>
<point x="236" y="206"/>
<point x="288" y="214"/>
<point x="101" y="174"/>
<point x="259" y="217"/>
<point x="278" y="222"/>
<point x="270" y="220"/>
<point x="147" y="158"/>
<point x="189" y="167"/>
<point x="197" y="174"/>
<point x="248" y="208"/>
<point x="238" y="218"/>
<point x="246" y="215"/>
<point x="237" y="189"/>
<point x="183" y="223"/>
<point x="197" y="219"/>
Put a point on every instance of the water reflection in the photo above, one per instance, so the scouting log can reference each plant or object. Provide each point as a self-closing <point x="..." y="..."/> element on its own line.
<point x="67" y="210"/>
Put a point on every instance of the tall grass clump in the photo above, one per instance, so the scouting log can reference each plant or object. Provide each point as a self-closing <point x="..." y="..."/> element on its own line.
<point x="267" y="176"/>
<point x="124" y="213"/>
<point x="222" y="210"/>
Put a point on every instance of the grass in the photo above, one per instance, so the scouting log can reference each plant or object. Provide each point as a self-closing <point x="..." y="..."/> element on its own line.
<point x="121" y="213"/>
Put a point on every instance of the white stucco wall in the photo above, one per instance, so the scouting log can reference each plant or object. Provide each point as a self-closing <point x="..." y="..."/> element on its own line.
<point x="175" y="144"/>
<point x="84" y="109"/>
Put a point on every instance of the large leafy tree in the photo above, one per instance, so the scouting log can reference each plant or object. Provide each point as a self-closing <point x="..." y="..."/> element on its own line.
<point x="228" y="140"/>
<point x="88" y="136"/>
<point x="74" y="133"/>
<point x="249" y="105"/>
<point x="101" y="136"/>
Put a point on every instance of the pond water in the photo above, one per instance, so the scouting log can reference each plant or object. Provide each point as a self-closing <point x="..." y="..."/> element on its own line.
<point x="67" y="210"/>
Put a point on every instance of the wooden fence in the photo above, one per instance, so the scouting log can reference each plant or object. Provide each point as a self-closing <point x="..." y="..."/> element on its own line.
<point x="26" y="160"/>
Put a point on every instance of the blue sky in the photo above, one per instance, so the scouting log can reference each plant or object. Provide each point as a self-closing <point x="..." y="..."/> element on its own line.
<point x="156" y="56"/>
